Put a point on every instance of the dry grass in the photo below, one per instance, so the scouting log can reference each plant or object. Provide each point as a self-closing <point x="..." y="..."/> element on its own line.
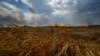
<point x="49" y="41"/>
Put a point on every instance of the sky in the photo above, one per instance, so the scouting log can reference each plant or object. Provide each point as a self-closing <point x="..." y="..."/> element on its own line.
<point x="49" y="12"/>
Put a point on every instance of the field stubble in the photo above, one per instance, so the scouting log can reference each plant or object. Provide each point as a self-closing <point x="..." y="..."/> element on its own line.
<point x="49" y="41"/>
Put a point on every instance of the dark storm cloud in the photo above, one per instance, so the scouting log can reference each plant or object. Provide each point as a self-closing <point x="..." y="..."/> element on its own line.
<point x="20" y="5"/>
<point x="9" y="20"/>
<point x="9" y="14"/>
<point x="90" y="5"/>
<point x="46" y="12"/>
<point x="20" y="12"/>
<point x="88" y="13"/>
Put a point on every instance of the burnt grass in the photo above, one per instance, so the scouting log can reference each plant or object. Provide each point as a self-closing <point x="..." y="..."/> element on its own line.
<point x="50" y="41"/>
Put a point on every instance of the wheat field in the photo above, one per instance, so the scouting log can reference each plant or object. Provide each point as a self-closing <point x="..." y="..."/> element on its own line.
<point x="50" y="41"/>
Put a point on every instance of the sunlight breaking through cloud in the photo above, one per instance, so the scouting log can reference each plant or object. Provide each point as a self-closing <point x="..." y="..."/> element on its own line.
<point x="47" y="12"/>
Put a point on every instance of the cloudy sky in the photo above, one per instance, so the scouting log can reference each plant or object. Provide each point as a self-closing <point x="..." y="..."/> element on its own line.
<point x="49" y="12"/>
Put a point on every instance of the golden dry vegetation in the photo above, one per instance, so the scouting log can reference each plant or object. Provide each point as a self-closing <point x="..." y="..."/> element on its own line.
<point x="49" y="41"/>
